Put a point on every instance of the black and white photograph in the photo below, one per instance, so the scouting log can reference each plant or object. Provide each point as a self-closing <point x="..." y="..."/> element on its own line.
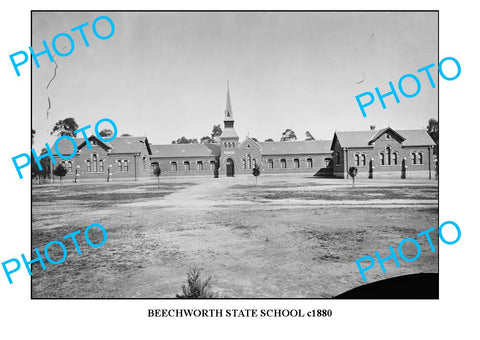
<point x="235" y="154"/>
<point x="240" y="170"/>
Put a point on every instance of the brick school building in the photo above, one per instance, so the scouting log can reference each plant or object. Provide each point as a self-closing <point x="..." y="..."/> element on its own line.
<point x="383" y="153"/>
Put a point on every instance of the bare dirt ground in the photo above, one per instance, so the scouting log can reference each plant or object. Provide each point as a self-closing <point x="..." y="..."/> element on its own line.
<point x="287" y="237"/>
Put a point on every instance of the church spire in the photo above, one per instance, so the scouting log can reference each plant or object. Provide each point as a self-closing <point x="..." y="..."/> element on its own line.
<point x="228" y="109"/>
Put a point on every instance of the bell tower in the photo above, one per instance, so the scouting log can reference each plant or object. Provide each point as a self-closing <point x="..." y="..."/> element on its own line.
<point x="228" y="140"/>
<point x="229" y="134"/>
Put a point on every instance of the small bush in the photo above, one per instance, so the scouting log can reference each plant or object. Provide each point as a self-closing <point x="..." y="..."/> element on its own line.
<point x="196" y="288"/>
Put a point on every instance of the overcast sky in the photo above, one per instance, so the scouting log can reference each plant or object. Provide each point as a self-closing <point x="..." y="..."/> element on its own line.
<point x="164" y="75"/>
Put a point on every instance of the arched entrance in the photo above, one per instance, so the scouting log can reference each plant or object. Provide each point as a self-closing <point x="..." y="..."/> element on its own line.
<point x="230" y="168"/>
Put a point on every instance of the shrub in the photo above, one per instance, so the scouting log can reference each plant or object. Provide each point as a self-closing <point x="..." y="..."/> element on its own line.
<point x="195" y="287"/>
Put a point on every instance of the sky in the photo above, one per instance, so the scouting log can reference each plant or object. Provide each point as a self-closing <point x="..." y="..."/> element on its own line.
<point x="163" y="74"/>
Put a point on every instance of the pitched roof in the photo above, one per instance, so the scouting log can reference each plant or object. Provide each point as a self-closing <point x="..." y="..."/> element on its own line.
<point x="118" y="145"/>
<point x="296" y="147"/>
<point x="352" y="139"/>
<point x="185" y="150"/>
<point x="229" y="133"/>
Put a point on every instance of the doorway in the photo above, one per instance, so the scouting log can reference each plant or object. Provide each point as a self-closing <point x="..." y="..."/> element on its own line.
<point x="230" y="168"/>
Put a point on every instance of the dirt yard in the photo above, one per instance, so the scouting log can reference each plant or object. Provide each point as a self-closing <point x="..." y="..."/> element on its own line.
<point x="287" y="237"/>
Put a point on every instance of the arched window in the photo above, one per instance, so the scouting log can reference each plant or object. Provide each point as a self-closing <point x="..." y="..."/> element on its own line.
<point x="125" y="165"/>
<point x="414" y="158"/>
<point x="249" y="162"/>
<point x="357" y="159"/>
<point x="200" y="166"/>
<point x="296" y="163"/>
<point x="94" y="163"/>
<point x="420" y="158"/>
<point x="70" y="167"/>
<point x="309" y="163"/>
<point x="364" y="160"/>
<point x="283" y="163"/>
<point x="174" y="166"/>
<point x="338" y="157"/>
<point x="224" y="145"/>
<point x="395" y="158"/>
<point x="254" y="162"/>
<point x="389" y="155"/>
<point x="212" y="165"/>
<point x="186" y="165"/>
<point x="144" y="159"/>
<point x="382" y="158"/>
<point x="229" y="145"/>
<point x="119" y="166"/>
<point x="270" y="163"/>
<point x="89" y="166"/>
<point x="100" y="165"/>
<point x="233" y="145"/>
<point x="244" y="164"/>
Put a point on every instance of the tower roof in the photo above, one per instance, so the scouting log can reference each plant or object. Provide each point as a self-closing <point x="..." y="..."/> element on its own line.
<point x="228" y="109"/>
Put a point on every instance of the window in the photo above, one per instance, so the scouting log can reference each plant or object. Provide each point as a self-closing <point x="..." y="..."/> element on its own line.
<point x="144" y="159"/>
<point x="233" y="145"/>
<point x="249" y="162"/>
<point x="364" y="160"/>
<point x="357" y="159"/>
<point x="93" y="142"/>
<point x="186" y="165"/>
<point x="119" y="166"/>
<point x="254" y="162"/>
<point x="89" y="166"/>
<point x="244" y="164"/>
<point x="414" y="158"/>
<point x="100" y="165"/>
<point x="248" y="146"/>
<point x="420" y="158"/>
<point x="395" y="158"/>
<point x="173" y="166"/>
<point x="70" y="167"/>
<point x="338" y="157"/>
<point x="296" y="163"/>
<point x="309" y="163"/>
<point x="270" y="163"/>
<point x="200" y="166"/>
<point x="125" y="165"/>
<point x="94" y="163"/>
<point x="212" y="165"/>
<point x="389" y="152"/>
<point x="382" y="158"/>
<point x="229" y="145"/>
<point x="225" y="145"/>
<point x="387" y="136"/>
<point x="283" y="164"/>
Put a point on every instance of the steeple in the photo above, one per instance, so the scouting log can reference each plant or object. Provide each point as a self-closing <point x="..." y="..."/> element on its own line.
<point x="228" y="109"/>
<point x="228" y="129"/>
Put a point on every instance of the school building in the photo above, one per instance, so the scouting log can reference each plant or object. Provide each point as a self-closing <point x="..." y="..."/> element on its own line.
<point x="383" y="153"/>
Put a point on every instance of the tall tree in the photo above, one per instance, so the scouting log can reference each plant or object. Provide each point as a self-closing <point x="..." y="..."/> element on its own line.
<point x="432" y="130"/>
<point x="216" y="131"/>
<point x="185" y="140"/>
<point x="106" y="133"/>
<point x="206" y="139"/>
<point x="60" y="171"/>
<point x="65" y="127"/>
<point x="288" y="135"/>
<point x="308" y="136"/>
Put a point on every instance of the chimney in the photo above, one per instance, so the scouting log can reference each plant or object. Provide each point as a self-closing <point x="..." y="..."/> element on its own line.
<point x="372" y="127"/>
